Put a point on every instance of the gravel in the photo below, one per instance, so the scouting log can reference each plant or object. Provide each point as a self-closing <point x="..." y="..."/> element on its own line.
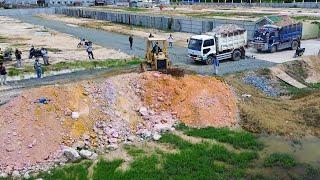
<point x="263" y="84"/>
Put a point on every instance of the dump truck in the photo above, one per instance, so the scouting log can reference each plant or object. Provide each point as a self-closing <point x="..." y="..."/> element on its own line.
<point x="285" y="34"/>
<point x="224" y="42"/>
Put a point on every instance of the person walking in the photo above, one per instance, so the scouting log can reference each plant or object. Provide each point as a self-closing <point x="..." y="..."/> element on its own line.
<point x="37" y="68"/>
<point x="131" y="41"/>
<point x="3" y="74"/>
<point x="31" y="52"/>
<point x="90" y="50"/>
<point x="18" y="54"/>
<point x="45" y="56"/>
<point x="216" y="64"/>
<point x="170" y="40"/>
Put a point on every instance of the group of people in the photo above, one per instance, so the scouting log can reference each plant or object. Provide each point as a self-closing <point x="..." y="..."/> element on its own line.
<point x="37" y="65"/>
<point x="170" y="40"/>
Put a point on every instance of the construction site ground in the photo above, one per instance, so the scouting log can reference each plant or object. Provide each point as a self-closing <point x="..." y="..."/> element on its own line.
<point x="142" y="125"/>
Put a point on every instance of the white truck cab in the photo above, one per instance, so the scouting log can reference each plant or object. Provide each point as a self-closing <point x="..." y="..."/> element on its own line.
<point x="201" y="46"/>
<point x="225" y="42"/>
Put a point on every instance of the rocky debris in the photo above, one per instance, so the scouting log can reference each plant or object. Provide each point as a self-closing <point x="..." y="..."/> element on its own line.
<point x="156" y="137"/>
<point x="85" y="154"/>
<point x="79" y="145"/>
<point x="16" y="174"/>
<point x="4" y="175"/>
<point x="263" y="84"/>
<point x="26" y="175"/>
<point x="71" y="154"/>
<point x="75" y="115"/>
<point x="94" y="156"/>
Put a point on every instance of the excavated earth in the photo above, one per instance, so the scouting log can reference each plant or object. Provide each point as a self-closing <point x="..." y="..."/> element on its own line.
<point x="124" y="108"/>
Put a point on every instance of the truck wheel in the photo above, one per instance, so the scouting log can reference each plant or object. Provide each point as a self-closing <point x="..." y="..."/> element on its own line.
<point x="236" y="55"/>
<point x="209" y="60"/>
<point x="273" y="49"/>
<point x="294" y="45"/>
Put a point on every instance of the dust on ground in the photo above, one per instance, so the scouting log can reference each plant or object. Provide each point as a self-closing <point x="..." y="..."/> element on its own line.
<point x="179" y="37"/>
<point x="61" y="47"/>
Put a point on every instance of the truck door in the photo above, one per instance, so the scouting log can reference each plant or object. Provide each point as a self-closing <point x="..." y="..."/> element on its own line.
<point x="208" y="47"/>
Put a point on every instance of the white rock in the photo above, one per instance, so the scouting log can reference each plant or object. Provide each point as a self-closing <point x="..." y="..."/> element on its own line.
<point x="15" y="174"/>
<point x="85" y="154"/>
<point x="112" y="147"/>
<point x="26" y="175"/>
<point x="75" y="115"/>
<point x="143" y="111"/>
<point x="71" y="154"/>
<point x="156" y="136"/>
<point x="131" y="138"/>
<point x="94" y="156"/>
<point x="162" y="127"/>
<point x="3" y="175"/>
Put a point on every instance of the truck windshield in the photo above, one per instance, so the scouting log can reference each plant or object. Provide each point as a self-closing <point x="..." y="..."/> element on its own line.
<point x="261" y="36"/>
<point x="195" y="44"/>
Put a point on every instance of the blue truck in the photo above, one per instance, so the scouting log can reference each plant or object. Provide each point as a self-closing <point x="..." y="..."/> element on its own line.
<point x="272" y="38"/>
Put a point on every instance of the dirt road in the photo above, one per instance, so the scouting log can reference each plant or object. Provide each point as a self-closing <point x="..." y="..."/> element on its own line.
<point x="120" y="42"/>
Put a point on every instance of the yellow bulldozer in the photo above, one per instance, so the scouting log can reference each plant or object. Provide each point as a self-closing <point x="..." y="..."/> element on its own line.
<point x="156" y="58"/>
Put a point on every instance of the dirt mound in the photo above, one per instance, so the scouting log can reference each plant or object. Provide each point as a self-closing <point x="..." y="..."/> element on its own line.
<point x="196" y="100"/>
<point x="313" y="69"/>
<point x="32" y="132"/>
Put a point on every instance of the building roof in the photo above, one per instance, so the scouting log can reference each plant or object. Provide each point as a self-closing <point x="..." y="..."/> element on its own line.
<point x="280" y="21"/>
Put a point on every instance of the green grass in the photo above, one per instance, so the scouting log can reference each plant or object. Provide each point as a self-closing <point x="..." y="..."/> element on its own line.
<point x="202" y="160"/>
<point x="194" y="161"/>
<point x="241" y="139"/>
<point x="75" y="65"/>
<point x="280" y="160"/>
<point x="306" y="18"/>
<point x="77" y="171"/>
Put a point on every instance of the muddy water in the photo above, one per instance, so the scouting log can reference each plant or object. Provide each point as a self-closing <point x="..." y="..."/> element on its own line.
<point x="306" y="150"/>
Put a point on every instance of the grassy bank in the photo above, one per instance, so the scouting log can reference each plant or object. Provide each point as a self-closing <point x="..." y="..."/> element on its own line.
<point x="75" y="65"/>
<point x="203" y="160"/>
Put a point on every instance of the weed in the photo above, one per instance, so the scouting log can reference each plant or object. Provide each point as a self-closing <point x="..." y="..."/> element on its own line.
<point x="280" y="159"/>
<point x="236" y="139"/>
<point x="53" y="50"/>
<point x="3" y="39"/>
<point x="77" y="171"/>
<point x="76" y="65"/>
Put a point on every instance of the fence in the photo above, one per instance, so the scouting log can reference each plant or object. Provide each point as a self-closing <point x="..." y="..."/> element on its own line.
<point x="176" y="24"/>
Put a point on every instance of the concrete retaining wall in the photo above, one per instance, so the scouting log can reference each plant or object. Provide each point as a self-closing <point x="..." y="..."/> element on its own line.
<point x="177" y="24"/>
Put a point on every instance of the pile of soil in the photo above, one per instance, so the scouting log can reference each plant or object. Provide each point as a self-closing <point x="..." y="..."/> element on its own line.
<point x="196" y="100"/>
<point x="96" y="115"/>
<point x="32" y="132"/>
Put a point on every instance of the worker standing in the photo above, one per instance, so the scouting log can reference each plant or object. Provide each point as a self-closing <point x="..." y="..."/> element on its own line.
<point x="3" y="74"/>
<point x="216" y="64"/>
<point x="131" y="41"/>
<point x="170" y="40"/>
<point x="18" y="57"/>
<point x="90" y="50"/>
<point x="45" y="56"/>
<point x="37" y="68"/>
